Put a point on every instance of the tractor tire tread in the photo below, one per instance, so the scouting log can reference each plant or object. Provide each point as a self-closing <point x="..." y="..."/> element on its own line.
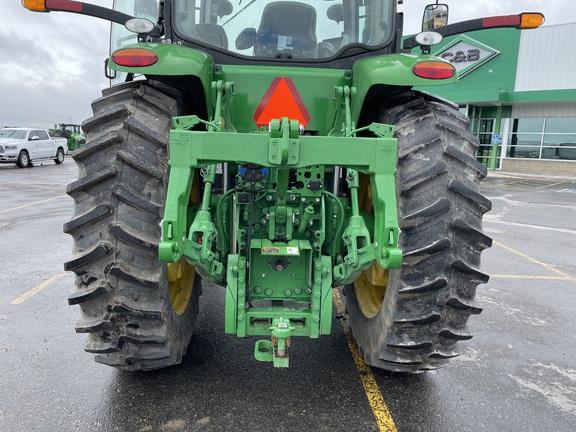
<point x="121" y="287"/>
<point x="428" y="301"/>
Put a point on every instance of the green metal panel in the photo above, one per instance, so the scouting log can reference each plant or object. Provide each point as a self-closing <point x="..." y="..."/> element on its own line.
<point x="254" y="148"/>
<point x="491" y="80"/>
<point x="314" y="86"/>
<point x="175" y="60"/>
<point x="172" y="60"/>
<point x="394" y="70"/>
<point x="274" y="284"/>
<point x="563" y="95"/>
<point x="490" y="112"/>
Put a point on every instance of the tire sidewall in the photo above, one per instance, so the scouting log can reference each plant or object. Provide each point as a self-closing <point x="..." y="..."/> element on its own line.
<point x="59" y="156"/>
<point x="23" y="160"/>
<point x="135" y="191"/>
<point x="414" y="310"/>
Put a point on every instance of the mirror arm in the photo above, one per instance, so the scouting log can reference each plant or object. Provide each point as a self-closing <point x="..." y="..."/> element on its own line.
<point x="454" y="29"/>
<point x="82" y="8"/>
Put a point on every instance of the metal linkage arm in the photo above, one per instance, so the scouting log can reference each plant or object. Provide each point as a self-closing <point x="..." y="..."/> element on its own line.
<point x="373" y="156"/>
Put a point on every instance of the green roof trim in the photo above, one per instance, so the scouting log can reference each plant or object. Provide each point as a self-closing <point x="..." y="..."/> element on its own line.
<point x="542" y="96"/>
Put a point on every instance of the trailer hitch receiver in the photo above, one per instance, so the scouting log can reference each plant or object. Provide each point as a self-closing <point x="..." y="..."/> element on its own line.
<point x="276" y="349"/>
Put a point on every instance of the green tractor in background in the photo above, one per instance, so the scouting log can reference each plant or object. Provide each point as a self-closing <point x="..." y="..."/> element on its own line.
<point x="72" y="133"/>
<point x="276" y="149"/>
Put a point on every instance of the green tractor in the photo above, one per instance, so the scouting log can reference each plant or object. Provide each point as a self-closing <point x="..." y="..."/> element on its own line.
<point x="276" y="149"/>
<point x="72" y="133"/>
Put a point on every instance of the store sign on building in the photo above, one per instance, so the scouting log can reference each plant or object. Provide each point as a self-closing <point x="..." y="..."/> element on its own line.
<point x="467" y="54"/>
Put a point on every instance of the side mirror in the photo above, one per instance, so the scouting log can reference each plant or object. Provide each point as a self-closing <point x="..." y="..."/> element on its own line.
<point x="34" y="138"/>
<point x="336" y="13"/>
<point x="246" y="38"/>
<point x="435" y="16"/>
<point x="225" y="8"/>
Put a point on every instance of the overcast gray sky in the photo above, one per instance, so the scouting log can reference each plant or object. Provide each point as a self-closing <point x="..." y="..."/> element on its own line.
<point x="52" y="65"/>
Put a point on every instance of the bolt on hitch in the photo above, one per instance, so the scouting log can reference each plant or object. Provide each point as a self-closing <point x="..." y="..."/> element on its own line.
<point x="276" y="349"/>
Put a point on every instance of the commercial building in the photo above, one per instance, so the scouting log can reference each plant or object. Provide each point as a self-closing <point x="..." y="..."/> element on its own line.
<point x="519" y="90"/>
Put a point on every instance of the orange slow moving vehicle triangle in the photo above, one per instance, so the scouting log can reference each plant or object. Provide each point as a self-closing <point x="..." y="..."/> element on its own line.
<point x="281" y="100"/>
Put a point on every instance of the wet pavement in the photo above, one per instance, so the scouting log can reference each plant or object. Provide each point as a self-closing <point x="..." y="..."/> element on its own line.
<point x="518" y="373"/>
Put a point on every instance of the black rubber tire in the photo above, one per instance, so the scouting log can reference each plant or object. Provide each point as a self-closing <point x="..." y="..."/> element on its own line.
<point x="59" y="156"/>
<point x="429" y="299"/>
<point x="121" y="286"/>
<point x="23" y="160"/>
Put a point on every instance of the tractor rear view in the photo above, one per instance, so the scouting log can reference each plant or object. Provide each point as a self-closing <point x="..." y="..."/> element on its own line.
<point x="72" y="133"/>
<point x="274" y="151"/>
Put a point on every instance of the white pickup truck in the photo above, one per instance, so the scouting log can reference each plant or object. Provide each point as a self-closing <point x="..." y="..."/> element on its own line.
<point x="23" y="146"/>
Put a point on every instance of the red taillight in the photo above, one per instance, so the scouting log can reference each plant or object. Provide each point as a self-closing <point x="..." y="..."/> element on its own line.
<point x="527" y="20"/>
<point x="501" y="21"/>
<point x="135" y="57"/>
<point x="434" y="70"/>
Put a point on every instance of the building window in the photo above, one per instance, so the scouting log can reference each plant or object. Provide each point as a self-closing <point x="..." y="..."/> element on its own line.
<point x="551" y="138"/>
<point x="484" y="133"/>
<point x="483" y="128"/>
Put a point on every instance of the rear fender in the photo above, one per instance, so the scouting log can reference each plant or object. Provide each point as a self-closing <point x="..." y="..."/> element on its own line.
<point x="390" y="70"/>
<point x="174" y="60"/>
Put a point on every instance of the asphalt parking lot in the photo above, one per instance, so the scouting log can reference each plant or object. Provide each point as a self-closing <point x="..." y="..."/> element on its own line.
<point x="518" y="373"/>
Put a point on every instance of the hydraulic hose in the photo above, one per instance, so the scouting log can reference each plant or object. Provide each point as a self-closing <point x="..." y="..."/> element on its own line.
<point x="340" y="225"/>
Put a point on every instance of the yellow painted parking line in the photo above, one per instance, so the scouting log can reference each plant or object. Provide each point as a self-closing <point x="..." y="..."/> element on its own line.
<point x="525" y="184"/>
<point x="565" y="276"/>
<point x="36" y="290"/>
<point x="515" y="181"/>
<point x="505" y="183"/>
<point x="31" y="204"/>
<point x="375" y="399"/>
<point x="24" y="182"/>
<point x="548" y="185"/>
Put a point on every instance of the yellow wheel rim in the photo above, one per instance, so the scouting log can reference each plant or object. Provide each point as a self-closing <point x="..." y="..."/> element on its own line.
<point x="370" y="289"/>
<point x="181" y="274"/>
<point x="180" y="284"/>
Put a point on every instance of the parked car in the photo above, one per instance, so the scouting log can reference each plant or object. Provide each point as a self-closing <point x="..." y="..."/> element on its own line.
<point x="23" y="146"/>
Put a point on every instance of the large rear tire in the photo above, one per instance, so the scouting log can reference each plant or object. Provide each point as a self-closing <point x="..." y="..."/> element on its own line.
<point x="411" y="319"/>
<point x="139" y="313"/>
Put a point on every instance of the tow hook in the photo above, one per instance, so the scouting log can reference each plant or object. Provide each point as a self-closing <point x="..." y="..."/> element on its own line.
<point x="276" y="349"/>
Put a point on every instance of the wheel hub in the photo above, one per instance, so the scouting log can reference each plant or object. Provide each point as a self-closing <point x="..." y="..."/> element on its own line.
<point x="180" y="285"/>
<point x="370" y="289"/>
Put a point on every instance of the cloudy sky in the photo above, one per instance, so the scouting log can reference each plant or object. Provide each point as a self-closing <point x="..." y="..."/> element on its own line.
<point x="52" y="65"/>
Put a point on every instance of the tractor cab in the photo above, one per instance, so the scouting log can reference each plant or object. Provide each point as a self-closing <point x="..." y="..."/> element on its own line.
<point x="270" y="31"/>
